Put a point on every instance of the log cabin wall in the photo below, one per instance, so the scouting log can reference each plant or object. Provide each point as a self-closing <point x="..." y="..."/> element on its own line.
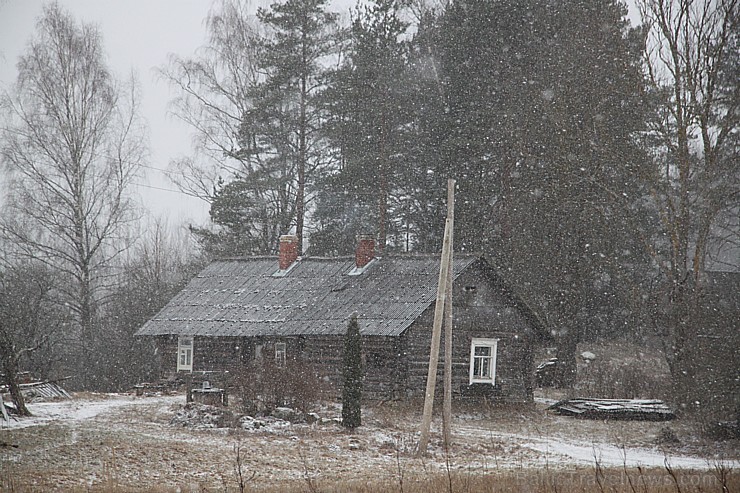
<point x="167" y="349"/>
<point x="214" y="358"/>
<point x="481" y="309"/>
<point x="379" y="358"/>
<point x="380" y="355"/>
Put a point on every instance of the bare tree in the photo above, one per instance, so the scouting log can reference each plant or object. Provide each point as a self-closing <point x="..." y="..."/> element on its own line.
<point x="215" y="99"/>
<point x="28" y="321"/>
<point x="154" y="270"/>
<point x="252" y="196"/>
<point x="691" y="61"/>
<point x="72" y="145"/>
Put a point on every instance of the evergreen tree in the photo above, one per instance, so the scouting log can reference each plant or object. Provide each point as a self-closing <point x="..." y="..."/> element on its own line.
<point x="425" y="179"/>
<point x="367" y="102"/>
<point x="249" y="214"/>
<point x="353" y="374"/>
<point x="301" y="36"/>
<point x="542" y="104"/>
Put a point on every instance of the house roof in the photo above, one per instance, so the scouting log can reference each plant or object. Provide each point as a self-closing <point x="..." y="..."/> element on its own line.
<point x="317" y="296"/>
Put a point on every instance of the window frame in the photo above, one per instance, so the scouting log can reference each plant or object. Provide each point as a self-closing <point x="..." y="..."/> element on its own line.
<point x="483" y="342"/>
<point x="281" y="354"/>
<point x="185" y="348"/>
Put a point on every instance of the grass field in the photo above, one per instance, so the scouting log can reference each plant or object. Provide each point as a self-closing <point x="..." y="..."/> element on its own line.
<point x="127" y="443"/>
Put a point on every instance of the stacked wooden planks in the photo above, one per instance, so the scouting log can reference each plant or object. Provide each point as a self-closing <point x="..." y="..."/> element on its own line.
<point x="631" y="409"/>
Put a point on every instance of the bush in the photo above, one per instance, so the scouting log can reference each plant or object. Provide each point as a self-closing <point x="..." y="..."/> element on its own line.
<point x="610" y="380"/>
<point x="352" y="373"/>
<point x="263" y="386"/>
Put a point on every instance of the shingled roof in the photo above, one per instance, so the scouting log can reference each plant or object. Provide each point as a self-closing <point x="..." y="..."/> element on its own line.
<point x="244" y="297"/>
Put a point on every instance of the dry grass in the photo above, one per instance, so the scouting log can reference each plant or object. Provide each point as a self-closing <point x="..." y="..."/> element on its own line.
<point x="586" y="480"/>
<point x="544" y="481"/>
<point x="134" y="448"/>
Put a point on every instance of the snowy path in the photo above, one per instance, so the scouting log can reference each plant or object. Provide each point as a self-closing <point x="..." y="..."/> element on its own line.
<point x="72" y="410"/>
<point x="558" y="451"/>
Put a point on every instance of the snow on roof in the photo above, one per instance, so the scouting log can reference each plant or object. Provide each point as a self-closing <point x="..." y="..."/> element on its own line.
<point x="242" y="297"/>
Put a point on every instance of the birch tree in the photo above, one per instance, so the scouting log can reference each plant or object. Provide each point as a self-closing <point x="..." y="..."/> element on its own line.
<point x="215" y="99"/>
<point x="71" y="144"/>
<point x="252" y="195"/>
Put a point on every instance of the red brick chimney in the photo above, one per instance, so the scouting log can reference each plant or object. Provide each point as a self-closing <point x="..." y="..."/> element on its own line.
<point x="288" y="250"/>
<point x="365" y="250"/>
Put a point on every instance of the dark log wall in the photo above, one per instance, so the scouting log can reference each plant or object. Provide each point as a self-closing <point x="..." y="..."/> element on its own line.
<point x="167" y="349"/>
<point x="379" y="356"/>
<point x="214" y="358"/>
<point x="480" y="310"/>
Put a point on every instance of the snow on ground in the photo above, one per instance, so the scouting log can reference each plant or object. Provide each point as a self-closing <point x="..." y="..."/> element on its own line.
<point x="125" y="440"/>
<point x="563" y="452"/>
<point x="70" y="410"/>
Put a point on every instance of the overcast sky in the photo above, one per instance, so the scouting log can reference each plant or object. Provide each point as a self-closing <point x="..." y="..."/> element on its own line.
<point x="137" y="35"/>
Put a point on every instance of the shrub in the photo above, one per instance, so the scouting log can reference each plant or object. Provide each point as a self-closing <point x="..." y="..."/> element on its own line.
<point x="609" y="380"/>
<point x="263" y="386"/>
<point x="352" y="372"/>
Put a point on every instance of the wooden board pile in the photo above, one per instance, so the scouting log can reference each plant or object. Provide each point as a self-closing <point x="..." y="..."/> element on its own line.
<point x="633" y="409"/>
<point x="43" y="390"/>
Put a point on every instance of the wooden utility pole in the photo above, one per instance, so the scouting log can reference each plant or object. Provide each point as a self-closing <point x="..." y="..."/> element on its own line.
<point x="439" y="308"/>
<point x="447" y="407"/>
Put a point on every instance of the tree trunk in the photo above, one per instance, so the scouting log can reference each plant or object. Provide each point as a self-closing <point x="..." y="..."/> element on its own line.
<point x="11" y="375"/>
<point x="681" y="355"/>
<point x="566" y="369"/>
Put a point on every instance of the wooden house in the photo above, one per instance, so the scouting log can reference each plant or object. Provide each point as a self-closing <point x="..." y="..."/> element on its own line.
<point x="294" y="309"/>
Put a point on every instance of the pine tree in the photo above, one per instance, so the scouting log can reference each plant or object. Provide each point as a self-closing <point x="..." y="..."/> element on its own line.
<point x="352" y="389"/>
<point x="302" y="37"/>
<point x="367" y="103"/>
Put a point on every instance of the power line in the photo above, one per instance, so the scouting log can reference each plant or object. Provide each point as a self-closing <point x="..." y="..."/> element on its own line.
<point x="153" y="187"/>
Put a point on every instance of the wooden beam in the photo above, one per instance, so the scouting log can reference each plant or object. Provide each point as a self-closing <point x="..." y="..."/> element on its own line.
<point x="444" y="271"/>
<point x="447" y="407"/>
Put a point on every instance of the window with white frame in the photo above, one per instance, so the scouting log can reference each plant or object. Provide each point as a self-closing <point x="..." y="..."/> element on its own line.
<point x="483" y="361"/>
<point x="184" y="354"/>
<point x="280" y="354"/>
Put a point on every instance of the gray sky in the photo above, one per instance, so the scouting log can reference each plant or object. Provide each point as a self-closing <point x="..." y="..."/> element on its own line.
<point x="137" y="35"/>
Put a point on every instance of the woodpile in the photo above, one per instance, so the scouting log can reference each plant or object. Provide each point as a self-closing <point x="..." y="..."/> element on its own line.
<point x="630" y="409"/>
<point x="43" y="390"/>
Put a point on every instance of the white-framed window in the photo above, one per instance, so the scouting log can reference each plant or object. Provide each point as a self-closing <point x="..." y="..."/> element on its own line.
<point x="281" y="351"/>
<point x="184" y="353"/>
<point x="483" y="361"/>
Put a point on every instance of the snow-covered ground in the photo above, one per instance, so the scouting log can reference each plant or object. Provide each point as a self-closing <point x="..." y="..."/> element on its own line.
<point x="80" y="409"/>
<point x="125" y="440"/>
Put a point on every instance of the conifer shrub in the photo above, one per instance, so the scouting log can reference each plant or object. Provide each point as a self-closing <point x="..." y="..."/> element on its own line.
<point x="352" y="373"/>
